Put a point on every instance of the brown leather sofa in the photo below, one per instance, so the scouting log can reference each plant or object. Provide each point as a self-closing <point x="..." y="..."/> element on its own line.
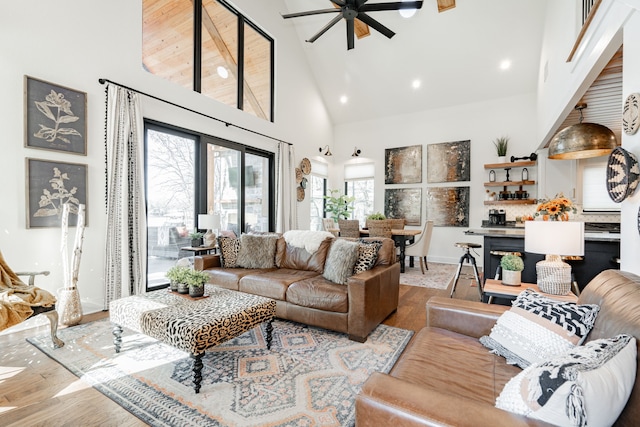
<point x="303" y="295"/>
<point x="447" y="378"/>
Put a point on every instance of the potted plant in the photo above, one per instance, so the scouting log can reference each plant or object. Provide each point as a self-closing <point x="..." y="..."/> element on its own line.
<point x="501" y="148"/>
<point x="196" y="239"/>
<point x="338" y="205"/>
<point x="512" y="266"/>
<point x="176" y="275"/>
<point x="196" y="279"/>
<point x="376" y="216"/>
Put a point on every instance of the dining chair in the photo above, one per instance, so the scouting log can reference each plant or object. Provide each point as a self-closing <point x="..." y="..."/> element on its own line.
<point x="328" y="224"/>
<point x="421" y="246"/>
<point x="397" y="223"/>
<point x="349" y="227"/>
<point x="380" y="228"/>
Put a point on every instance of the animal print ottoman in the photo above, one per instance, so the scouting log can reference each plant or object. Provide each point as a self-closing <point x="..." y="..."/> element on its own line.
<point x="192" y="325"/>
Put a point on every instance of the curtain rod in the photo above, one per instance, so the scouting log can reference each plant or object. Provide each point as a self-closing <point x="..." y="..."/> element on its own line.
<point x="103" y="81"/>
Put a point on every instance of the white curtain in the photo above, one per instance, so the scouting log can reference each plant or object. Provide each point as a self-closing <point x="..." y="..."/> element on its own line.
<point x="125" y="252"/>
<point x="286" y="208"/>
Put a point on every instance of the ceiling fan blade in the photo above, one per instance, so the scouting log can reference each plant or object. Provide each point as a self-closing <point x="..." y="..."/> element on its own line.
<point x="333" y="22"/>
<point x="376" y="7"/>
<point x="309" y="12"/>
<point x="350" y="34"/>
<point x="375" y="25"/>
<point x="446" y="5"/>
<point x="338" y="3"/>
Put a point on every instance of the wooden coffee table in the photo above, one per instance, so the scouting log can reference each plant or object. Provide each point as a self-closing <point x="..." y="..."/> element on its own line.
<point x="192" y="324"/>
<point x="495" y="288"/>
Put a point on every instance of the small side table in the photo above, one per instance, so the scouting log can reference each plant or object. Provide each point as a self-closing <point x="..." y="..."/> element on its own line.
<point x="495" y="288"/>
<point x="199" y="250"/>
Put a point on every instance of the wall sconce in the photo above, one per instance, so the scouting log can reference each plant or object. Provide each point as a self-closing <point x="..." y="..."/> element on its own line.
<point x="356" y="152"/>
<point x="327" y="152"/>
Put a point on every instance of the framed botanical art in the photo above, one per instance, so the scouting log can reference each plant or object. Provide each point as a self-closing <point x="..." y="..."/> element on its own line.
<point x="403" y="165"/>
<point x="403" y="203"/>
<point x="448" y="206"/>
<point x="55" y="117"/>
<point x="50" y="185"/>
<point x="449" y="161"/>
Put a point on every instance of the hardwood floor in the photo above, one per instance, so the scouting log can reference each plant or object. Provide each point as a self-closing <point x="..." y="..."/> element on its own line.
<point x="37" y="391"/>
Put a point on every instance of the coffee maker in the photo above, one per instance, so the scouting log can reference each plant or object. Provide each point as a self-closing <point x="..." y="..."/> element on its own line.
<point x="497" y="217"/>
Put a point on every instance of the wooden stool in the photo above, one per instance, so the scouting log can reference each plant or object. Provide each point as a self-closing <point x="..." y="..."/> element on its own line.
<point x="467" y="257"/>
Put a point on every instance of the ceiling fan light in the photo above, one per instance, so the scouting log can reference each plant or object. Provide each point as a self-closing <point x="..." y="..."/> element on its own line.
<point x="407" y="13"/>
<point x="581" y="141"/>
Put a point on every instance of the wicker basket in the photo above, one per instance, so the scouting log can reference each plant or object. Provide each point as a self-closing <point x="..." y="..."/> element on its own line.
<point x="554" y="276"/>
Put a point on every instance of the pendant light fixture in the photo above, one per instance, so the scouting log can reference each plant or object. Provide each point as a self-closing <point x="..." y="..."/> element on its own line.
<point x="582" y="140"/>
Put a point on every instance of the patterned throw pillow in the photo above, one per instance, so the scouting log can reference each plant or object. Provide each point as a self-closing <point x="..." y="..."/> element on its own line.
<point x="367" y="256"/>
<point x="257" y="251"/>
<point x="537" y="328"/>
<point x="340" y="261"/>
<point x="588" y="385"/>
<point x="229" y="247"/>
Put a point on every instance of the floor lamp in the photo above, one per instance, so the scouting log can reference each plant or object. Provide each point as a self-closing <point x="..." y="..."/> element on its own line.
<point x="554" y="239"/>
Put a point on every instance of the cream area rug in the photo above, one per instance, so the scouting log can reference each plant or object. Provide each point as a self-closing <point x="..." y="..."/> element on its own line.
<point x="438" y="276"/>
<point x="310" y="377"/>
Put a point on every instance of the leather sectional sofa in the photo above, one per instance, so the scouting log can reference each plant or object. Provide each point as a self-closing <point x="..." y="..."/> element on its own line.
<point x="303" y="295"/>
<point x="445" y="377"/>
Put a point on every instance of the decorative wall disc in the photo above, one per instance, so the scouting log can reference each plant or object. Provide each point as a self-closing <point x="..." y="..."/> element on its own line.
<point x="298" y="176"/>
<point x="623" y="174"/>
<point x="631" y="114"/>
<point x="300" y="193"/>
<point x="305" y="165"/>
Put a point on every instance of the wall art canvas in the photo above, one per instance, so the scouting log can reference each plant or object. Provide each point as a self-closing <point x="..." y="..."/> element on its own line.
<point x="404" y="203"/>
<point x="55" y="117"/>
<point x="448" y="206"/>
<point x="50" y="185"/>
<point x="403" y="165"/>
<point x="449" y="162"/>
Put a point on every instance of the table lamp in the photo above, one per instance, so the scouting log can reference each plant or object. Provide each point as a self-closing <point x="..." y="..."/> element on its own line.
<point x="554" y="239"/>
<point x="209" y="222"/>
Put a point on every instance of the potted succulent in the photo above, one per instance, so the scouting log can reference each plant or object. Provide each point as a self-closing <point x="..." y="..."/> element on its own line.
<point x="338" y="205"/>
<point x="501" y="148"/>
<point x="176" y="275"/>
<point x="196" y="279"/>
<point x="196" y="239"/>
<point x="512" y="266"/>
<point x="376" y="216"/>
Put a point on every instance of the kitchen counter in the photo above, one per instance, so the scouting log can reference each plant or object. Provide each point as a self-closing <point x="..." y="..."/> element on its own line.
<point x="518" y="233"/>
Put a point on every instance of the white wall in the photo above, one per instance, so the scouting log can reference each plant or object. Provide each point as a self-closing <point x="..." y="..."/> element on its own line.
<point x="480" y="122"/>
<point x="74" y="43"/>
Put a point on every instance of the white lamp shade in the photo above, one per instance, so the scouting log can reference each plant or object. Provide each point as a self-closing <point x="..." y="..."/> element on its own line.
<point x="554" y="237"/>
<point x="208" y="221"/>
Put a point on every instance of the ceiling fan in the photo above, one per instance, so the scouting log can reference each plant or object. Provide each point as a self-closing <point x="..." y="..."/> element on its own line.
<point x="352" y="10"/>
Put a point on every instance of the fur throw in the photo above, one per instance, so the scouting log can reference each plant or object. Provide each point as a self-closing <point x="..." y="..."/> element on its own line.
<point x="309" y="240"/>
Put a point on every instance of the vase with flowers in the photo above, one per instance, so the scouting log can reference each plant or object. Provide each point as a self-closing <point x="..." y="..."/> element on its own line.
<point x="556" y="209"/>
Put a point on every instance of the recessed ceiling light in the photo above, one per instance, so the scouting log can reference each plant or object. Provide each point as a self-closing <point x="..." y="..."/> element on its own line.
<point x="416" y="84"/>
<point x="344" y="99"/>
<point x="222" y="72"/>
<point x="505" y="64"/>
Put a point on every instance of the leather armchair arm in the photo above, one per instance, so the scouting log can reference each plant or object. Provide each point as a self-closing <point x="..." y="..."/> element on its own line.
<point x="470" y="318"/>
<point x="389" y="401"/>
<point x="203" y="262"/>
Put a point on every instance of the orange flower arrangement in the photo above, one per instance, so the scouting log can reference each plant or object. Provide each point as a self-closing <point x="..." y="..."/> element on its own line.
<point x="555" y="209"/>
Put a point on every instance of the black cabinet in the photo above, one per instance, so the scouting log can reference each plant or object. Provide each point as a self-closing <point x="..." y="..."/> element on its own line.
<point x="599" y="255"/>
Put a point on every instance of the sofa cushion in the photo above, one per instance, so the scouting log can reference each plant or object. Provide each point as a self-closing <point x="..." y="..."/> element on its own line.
<point x="295" y="258"/>
<point x="230" y="277"/>
<point x="319" y="293"/>
<point x="228" y="251"/>
<point x="588" y="385"/>
<point x="257" y="251"/>
<point x="367" y="256"/>
<point x="453" y="363"/>
<point x="340" y="261"/>
<point x="537" y="328"/>
<point x="273" y="283"/>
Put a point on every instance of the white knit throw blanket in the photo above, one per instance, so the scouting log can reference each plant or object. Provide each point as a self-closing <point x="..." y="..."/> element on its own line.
<point x="309" y="240"/>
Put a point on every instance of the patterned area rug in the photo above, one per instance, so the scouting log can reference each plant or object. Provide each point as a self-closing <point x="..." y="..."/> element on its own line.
<point x="438" y="276"/>
<point x="309" y="378"/>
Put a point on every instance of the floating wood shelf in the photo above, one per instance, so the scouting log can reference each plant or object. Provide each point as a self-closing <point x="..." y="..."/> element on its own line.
<point x="509" y="165"/>
<point x="511" y="202"/>
<point x="508" y="183"/>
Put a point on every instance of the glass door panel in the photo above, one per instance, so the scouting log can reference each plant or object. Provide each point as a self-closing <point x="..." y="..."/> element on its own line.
<point x="170" y="200"/>
<point x="223" y="186"/>
<point x="256" y="193"/>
